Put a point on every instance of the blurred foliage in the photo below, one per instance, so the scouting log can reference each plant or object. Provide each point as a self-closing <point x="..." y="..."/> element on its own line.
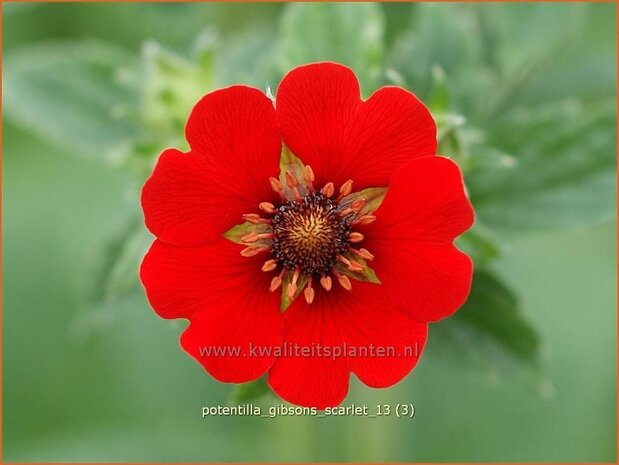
<point x="538" y="147"/>
<point x="348" y="33"/>
<point x="70" y="93"/>
<point x="523" y="95"/>
<point x="243" y="393"/>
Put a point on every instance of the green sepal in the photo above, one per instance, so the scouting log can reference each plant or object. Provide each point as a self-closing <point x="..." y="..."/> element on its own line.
<point x="301" y="282"/>
<point x="236" y="233"/>
<point x="367" y="275"/>
<point x="373" y="197"/>
<point x="290" y="162"/>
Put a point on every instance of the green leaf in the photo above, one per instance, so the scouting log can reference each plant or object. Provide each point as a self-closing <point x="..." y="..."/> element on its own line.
<point x="479" y="244"/>
<point x="168" y="86"/>
<point x="247" y="58"/>
<point x="447" y="124"/>
<point x="438" y="100"/>
<point x="171" y="86"/>
<point x="430" y="46"/>
<point x="490" y="330"/>
<point x="538" y="149"/>
<point x="73" y="94"/>
<point x="486" y="55"/>
<point x="348" y="33"/>
<point x="117" y="270"/>
<point x="563" y="174"/>
<point x="249" y="391"/>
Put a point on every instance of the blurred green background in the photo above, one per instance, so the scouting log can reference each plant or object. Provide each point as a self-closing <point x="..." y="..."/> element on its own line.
<point x="524" y="95"/>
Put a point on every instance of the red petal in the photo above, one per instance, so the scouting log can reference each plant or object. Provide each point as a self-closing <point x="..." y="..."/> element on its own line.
<point x="182" y="280"/>
<point x="310" y="381"/>
<point x="227" y="340"/>
<point x="326" y="124"/>
<point x="176" y="200"/>
<point x="374" y="339"/>
<point x="226" y="298"/>
<point x="392" y="341"/>
<point x="191" y="199"/>
<point x="424" y="210"/>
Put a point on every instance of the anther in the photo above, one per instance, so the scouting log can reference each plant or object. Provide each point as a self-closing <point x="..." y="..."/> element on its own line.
<point x="252" y="251"/>
<point x="343" y="280"/>
<point x="326" y="282"/>
<point x="365" y="219"/>
<point x="354" y="208"/>
<point x="308" y="175"/>
<point x="269" y="265"/>
<point x="276" y="185"/>
<point x="277" y="281"/>
<point x="292" y="286"/>
<point x="295" y="276"/>
<point x="291" y="290"/>
<point x="309" y="291"/>
<point x="254" y="218"/>
<point x="344" y="260"/>
<point x="292" y="182"/>
<point x="255" y="237"/>
<point x="328" y="190"/>
<point x="358" y="205"/>
<point x="352" y="265"/>
<point x="366" y="254"/>
<point x="309" y="294"/>
<point x="267" y="207"/>
<point x="345" y="189"/>
<point x="355" y="237"/>
<point x="363" y="253"/>
<point x="355" y="266"/>
<point x="251" y="237"/>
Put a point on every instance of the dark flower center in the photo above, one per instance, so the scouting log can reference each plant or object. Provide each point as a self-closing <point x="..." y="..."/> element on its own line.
<point x="310" y="234"/>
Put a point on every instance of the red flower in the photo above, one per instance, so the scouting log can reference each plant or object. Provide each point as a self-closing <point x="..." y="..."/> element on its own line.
<point x="372" y="276"/>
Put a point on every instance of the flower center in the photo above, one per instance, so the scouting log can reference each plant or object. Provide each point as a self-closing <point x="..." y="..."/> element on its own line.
<point x="309" y="234"/>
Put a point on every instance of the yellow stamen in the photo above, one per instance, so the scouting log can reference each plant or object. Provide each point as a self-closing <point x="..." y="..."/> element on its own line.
<point x="269" y="265"/>
<point x="355" y="237"/>
<point x="275" y="283"/>
<point x="326" y="282"/>
<point x="365" y="219"/>
<point x="309" y="291"/>
<point x="276" y="185"/>
<point x="363" y="253"/>
<point x="343" y="280"/>
<point x="253" y="251"/>
<point x="251" y="237"/>
<point x="328" y="190"/>
<point x="308" y="174"/>
<point x="345" y="189"/>
<point x="267" y="207"/>
<point x="355" y="266"/>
